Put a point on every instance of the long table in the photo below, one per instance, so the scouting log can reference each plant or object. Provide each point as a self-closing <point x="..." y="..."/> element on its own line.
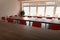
<point x="43" y="20"/>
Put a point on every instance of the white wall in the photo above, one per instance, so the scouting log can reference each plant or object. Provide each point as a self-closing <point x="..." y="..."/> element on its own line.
<point x="9" y="7"/>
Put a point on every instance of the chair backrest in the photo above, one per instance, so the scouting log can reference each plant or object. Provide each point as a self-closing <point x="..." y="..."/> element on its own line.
<point x="58" y="18"/>
<point x="10" y="16"/>
<point x="10" y="20"/>
<point x="49" y="17"/>
<point x="16" y="15"/>
<point x="23" y="22"/>
<point x="29" y="16"/>
<point x="36" y="24"/>
<point x="3" y="18"/>
<point x="39" y="17"/>
<point x="54" y="26"/>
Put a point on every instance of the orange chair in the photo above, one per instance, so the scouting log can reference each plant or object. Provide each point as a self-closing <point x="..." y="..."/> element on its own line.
<point x="23" y="22"/>
<point x="54" y="26"/>
<point x="36" y="24"/>
<point x="10" y="20"/>
<point x="3" y="18"/>
<point x="48" y="17"/>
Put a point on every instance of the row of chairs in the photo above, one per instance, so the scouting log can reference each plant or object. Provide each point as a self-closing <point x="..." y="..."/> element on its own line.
<point x="52" y="26"/>
<point x="10" y="20"/>
<point x="36" y="16"/>
<point x="3" y="18"/>
<point x="40" y="17"/>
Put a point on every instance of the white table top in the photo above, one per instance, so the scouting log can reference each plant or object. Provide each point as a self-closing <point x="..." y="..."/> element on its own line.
<point x="44" y="20"/>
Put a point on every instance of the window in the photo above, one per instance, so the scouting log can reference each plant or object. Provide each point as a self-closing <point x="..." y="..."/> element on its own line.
<point x="32" y="11"/>
<point x="26" y="9"/>
<point x="37" y="8"/>
<point x="57" y="12"/>
<point x="49" y="11"/>
<point x="41" y="11"/>
<point x="25" y="4"/>
<point x="50" y="3"/>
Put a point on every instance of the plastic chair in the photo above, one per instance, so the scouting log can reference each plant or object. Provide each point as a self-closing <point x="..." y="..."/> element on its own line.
<point x="54" y="26"/>
<point x="39" y="17"/>
<point x="3" y="18"/>
<point x="29" y="16"/>
<point x="10" y="20"/>
<point x="36" y="24"/>
<point x="49" y="17"/>
<point x="58" y="18"/>
<point x="23" y="22"/>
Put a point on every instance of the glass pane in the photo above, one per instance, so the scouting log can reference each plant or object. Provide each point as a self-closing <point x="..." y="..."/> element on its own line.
<point x="41" y="11"/>
<point x="26" y="9"/>
<point x="50" y="3"/>
<point x="25" y="4"/>
<point x="32" y="3"/>
<point x="57" y="12"/>
<point x="33" y="11"/>
<point x="49" y="11"/>
<point x="41" y="3"/>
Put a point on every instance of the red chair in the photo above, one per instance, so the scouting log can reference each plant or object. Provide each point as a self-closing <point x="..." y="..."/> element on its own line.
<point x="54" y="26"/>
<point x="49" y="17"/>
<point x="10" y="16"/>
<point x="23" y="22"/>
<point x="58" y="18"/>
<point x="29" y="16"/>
<point x="3" y="18"/>
<point x="10" y="20"/>
<point x="15" y="15"/>
<point x="36" y="24"/>
<point x="39" y="17"/>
